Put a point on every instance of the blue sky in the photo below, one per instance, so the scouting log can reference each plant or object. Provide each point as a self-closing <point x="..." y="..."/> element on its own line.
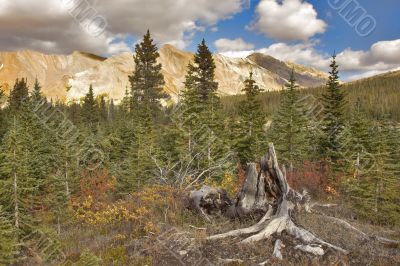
<point x="301" y="31"/>
<point x="338" y="36"/>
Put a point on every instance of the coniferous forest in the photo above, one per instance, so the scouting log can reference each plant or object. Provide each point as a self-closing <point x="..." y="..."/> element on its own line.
<point x="103" y="182"/>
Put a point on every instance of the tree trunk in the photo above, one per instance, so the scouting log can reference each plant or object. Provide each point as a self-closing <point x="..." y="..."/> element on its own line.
<point x="269" y="188"/>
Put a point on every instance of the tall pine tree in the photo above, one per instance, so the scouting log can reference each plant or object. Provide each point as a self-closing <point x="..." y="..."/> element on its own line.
<point x="201" y="113"/>
<point x="147" y="80"/>
<point x="289" y="127"/>
<point x="18" y="185"/>
<point x="249" y="134"/>
<point x="333" y="120"/>
<point x="18" y="95"/>
<point x="90" y="110"/>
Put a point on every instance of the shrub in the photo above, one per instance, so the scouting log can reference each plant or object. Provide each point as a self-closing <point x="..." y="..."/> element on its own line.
<point x="87" y="258"/>
<point x="312" y="176"/>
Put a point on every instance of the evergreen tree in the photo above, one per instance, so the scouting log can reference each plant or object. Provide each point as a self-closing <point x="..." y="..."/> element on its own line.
<point x="87" y="258"/>
<point x="103" y="109"/>
<point x="8" y="240"/>
<point x="147" y="84"/>
<point x="3" y="127"/>
<point x="147" y="80"/>
<point x="357" y="147"/>
<point x="18" y="95"/>
<point x="36" y="94"/>
<point x="90" y="110"/>
<point x="125" y="106"/>
<point x="250" y="134"/>
<point x="111" y="112"/>
<point x="289" y="127"/>
<point x="142" y="152"/>
<point x="18" y="186"/>
<point x="333" y="121"/>
<point x="375" y="192"/>
<point x="201" y="114"/>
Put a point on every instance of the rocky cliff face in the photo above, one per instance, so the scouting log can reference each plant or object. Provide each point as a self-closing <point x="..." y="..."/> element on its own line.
<point x="67" y="77"/>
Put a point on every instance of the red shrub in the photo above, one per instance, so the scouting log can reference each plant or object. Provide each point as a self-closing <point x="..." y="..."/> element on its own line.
<point x="312" y="176"/>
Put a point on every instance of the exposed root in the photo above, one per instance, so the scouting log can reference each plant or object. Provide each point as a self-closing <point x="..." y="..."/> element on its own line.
<point x="245" y="231"/>
<point x="275" y="223"/>
<point x="275" y="226"/>
<point x="314" y="250"/>
<point x="346" y="224"/>
<point x="277" y="249"/>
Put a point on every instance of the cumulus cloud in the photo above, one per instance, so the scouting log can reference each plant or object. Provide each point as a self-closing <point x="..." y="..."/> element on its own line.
<point x="47" y="25"/>
<point x="382" y="56"/>
<point x="224" y="45"/>
<point x="287" y="20"/>
<point x="302" y="53"/>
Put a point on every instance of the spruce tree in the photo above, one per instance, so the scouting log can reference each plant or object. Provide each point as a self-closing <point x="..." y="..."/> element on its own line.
<point x="201" y="114"/>
<point x="357" y="147"/>
<point x="18" y="95"/>
<point x="8" y="240"/>
<point x="250" y="135"/>
<point x="333" y="120"/>
<point x="103" y="113"/>
<point x="147" y="84"/>
<point x="289" y="127"/>
<point x="147" y="80"/>
<point x="90" y="112"/>
<point x="375" y="192"/>
<point x="143" y="151"/>
<point x="3" y="127"/>
<point x="36" y="94"/>
<point x="18" y="185"/>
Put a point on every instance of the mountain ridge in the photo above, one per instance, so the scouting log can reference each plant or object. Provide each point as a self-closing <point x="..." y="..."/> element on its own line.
<point x="109" y="75"/>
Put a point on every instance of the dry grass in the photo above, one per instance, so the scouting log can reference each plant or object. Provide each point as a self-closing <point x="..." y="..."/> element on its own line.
<point x="178" y="238"/>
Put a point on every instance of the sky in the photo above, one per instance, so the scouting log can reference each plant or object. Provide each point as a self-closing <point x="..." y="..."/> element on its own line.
<point x="365" y="34"/>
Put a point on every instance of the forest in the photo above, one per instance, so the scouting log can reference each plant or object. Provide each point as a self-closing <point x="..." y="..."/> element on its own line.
<point x="103" y="182"/>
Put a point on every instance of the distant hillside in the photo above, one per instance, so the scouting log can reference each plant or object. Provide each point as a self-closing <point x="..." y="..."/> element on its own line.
<point x="378" y="94"/>
<point x="110" y="75"/>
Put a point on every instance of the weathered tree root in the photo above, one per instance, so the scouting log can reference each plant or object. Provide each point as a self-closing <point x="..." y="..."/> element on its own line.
<point x="278" y="221"/>
<point x="346" y="224"/>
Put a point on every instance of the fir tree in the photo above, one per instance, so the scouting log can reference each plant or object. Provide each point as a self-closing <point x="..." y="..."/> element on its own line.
<point x="8" y="240"/>
<point x="103" y="109"/>
<point x="375" y="192"/>
<point x="142" y="152"/>
<point x="111" y="112"/>
<point x="333" y="121"/>
<point x="18" y="95"/>
<point x="201" y="111"/>
<point x="147" y="80"/>
<point x="90" y="110"/>
<point x="18" y="185"/>
<point x="357" y="147"/>
<point x="3" y="127"/>
<point x="249" y="134"/>
<point x="289" y="127"/>
<point x="36" y="94"/>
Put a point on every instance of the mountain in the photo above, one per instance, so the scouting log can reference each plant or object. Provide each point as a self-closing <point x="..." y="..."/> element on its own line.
<point x="67" y="77"/>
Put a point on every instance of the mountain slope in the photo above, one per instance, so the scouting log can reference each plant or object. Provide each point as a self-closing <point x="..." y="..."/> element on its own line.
<point x="110" y="75"/>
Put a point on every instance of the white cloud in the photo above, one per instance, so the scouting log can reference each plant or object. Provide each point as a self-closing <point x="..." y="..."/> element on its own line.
<point x="224" y="45"/>
<point x="287" y="20"/>
<point x="302" y="53"/>
<point x="382" y="56"/>
<point x="32" y="24"/>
